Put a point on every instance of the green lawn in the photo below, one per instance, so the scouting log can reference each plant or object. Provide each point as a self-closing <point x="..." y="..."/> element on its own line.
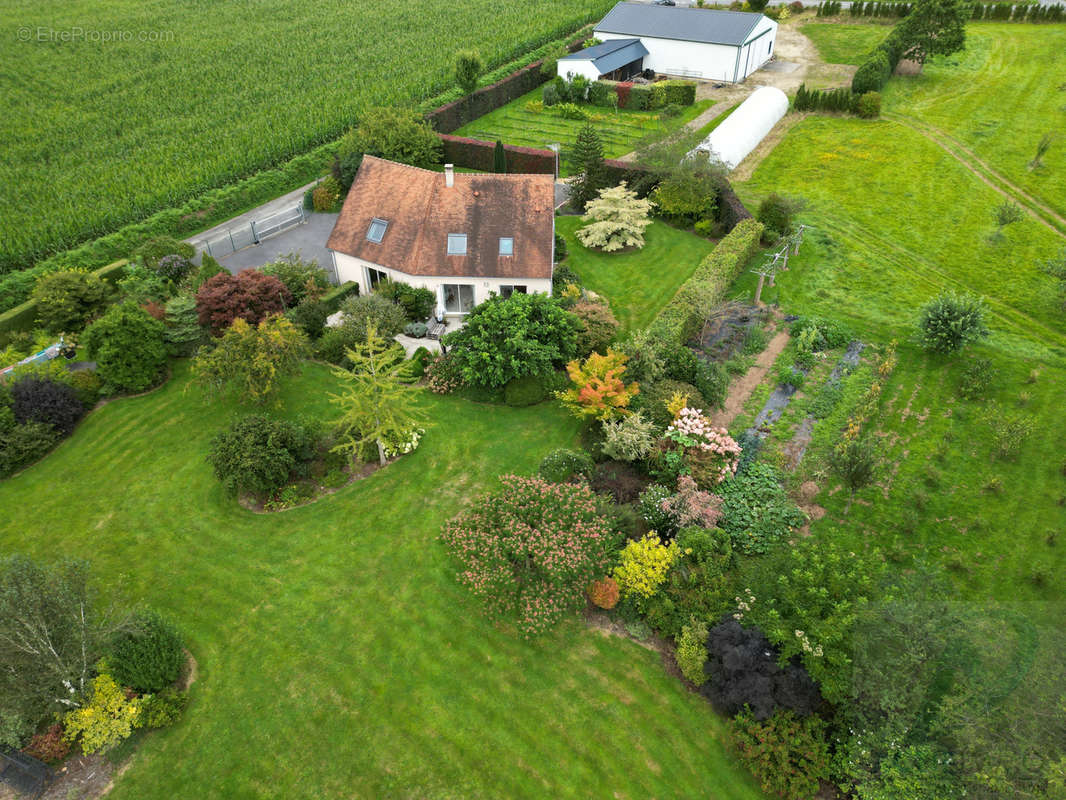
<point x="896" y="220"/>
<point x="841" y="43"/>
<point x="994" y="100"/>
<point x="620" y="130"/>
<point x="639" y="283"/>
<point x="338" y="656"/>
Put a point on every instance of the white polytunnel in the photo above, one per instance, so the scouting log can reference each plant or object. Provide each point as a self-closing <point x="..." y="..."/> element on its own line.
<point x="742" y="131"/>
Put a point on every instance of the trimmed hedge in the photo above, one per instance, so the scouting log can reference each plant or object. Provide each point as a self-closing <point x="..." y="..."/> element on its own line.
<point x="679" y="92"/>
<point x="872" y="75"/>
<point x="23" y="317"/>
<point x="476" y="154"/>
<point x="680" y="320"/>
<point x="332" y="299"/>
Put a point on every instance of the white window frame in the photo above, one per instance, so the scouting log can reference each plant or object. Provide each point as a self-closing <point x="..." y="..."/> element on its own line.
<point x="385" y="228"/>
<point x="372" y="284"/>
<point x="458" y="297"/>
<point x="507" y="239"/>
<point x="456" y="237"/>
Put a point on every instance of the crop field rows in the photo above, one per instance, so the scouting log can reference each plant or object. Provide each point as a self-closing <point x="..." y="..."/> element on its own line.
<point x="102" y="133"/>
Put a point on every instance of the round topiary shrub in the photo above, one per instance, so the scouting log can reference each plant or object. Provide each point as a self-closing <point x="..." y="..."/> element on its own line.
<point x="604" y="593"/>
<point x="149" y="657"/>
<point x="259" y="454"/>
<point x="416" y="330"/>
<point x="562" y="465"/>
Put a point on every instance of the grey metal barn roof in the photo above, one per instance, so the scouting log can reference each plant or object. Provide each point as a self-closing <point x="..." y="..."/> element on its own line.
<point x="709" y="26"/>
<point x="611" y="55"/>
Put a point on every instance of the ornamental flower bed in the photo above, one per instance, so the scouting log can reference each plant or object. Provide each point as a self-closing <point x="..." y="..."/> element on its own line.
<point x="713" y="453"/>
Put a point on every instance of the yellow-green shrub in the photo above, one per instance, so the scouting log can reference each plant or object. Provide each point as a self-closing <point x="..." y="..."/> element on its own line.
<point x="691" y="655"/>
<point x="645" y="564"/>
<point x="106" y="720"/>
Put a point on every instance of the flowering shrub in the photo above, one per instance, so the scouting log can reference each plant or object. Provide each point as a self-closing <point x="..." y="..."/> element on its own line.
<point x="652" y="510"/>
<point x="107" y="719"/>
<point x="604" y="592"/>
<point x="599" y="391"/>
<point x="442" y="375"/>
<point x="713" y="448"/>
<point x="645" y="563"/>
<point x="406" y="444"/>
<point x="531" y="549"/>
<point x="690" y="506"/>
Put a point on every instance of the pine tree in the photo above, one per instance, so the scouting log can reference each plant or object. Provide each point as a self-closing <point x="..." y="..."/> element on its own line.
<point x="499" y="158"/>
<point x="375" y="404"/>
<point x="589" y="175"/>
<point x="468" y="67"/>
<point x="183" y="332"/>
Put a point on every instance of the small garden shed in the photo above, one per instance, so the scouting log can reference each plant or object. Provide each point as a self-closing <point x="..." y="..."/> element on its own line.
<point x="616" y="60"/>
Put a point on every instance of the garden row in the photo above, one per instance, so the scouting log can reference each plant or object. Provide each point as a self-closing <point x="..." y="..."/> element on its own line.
<point x="1020" y="12"/>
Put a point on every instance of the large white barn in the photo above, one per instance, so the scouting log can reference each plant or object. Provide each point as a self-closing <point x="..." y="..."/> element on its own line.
<point x="699" y="43"/>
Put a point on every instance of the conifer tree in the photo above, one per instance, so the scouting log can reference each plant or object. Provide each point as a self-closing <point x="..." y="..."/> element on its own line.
<point x="589" y="175"/>
<point x="375" y="404"/>
<point x="183" y="331"/>
<point x="499" y="158"/>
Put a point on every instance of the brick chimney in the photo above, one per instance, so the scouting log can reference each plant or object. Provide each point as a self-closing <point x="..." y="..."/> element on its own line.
<point x="449" y="175"/>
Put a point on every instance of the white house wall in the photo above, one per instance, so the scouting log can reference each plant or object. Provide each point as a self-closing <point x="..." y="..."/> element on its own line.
<point x="583" y="67"/>
<point x="710" y="62"/>
<point x="716" y="62"/>
<point x="350" y="268"/>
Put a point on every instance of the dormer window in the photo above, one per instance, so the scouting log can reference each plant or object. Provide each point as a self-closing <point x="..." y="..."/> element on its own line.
<point x="377" y="229"/>
<point x="457" y="244"/>
<point x="506" y="246"/>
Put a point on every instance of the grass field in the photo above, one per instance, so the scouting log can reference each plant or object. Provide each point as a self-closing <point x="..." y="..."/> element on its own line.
<point x="896" y="220"/>
<point x="992" y="100"/>
<point x="180" y="98"/>
<point x="639" y="283"/>
<point x="338" y="656"/>
<point x="620" y="131"/>
<point x="841" y="43"/>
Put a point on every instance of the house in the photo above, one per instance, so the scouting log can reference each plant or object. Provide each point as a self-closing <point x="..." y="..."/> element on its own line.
<point x="708" y="44"/>
<point x="463" y="236"/>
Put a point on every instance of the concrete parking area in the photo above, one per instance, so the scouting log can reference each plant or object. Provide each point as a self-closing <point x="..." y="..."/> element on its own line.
<point x="308" y="240"/>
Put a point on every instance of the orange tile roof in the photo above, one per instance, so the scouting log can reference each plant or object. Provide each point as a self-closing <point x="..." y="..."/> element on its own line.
<point x="421" y="211"/>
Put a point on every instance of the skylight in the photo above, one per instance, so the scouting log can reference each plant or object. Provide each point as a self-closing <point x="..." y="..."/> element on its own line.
<point x="377" y="230"/>
<point x="457" y="244"/>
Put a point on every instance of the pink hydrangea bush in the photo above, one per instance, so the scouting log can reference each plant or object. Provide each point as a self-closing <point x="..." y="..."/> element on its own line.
<point x="531" y="549"/>
<point x="712" y="452"/>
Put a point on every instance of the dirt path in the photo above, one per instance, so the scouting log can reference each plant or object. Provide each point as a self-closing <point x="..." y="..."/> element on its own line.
<point x="740" y="390"/>
<point x="1048" y="217"/>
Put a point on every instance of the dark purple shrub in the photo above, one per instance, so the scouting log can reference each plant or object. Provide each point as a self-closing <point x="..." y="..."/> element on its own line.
<point x="36" y="399"/>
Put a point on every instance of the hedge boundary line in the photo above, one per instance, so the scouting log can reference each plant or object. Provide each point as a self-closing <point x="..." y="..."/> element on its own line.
<point x="23" y="316"/>
<point x="697" y="298"/>
<point x="478" y="154"/>
<point x="200" y="212"/>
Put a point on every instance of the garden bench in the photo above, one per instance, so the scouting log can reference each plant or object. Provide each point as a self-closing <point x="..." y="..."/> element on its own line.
<point x="436" y="330"/>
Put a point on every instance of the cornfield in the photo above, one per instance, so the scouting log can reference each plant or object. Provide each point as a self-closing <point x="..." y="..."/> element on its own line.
<point x="115" y="110"/>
